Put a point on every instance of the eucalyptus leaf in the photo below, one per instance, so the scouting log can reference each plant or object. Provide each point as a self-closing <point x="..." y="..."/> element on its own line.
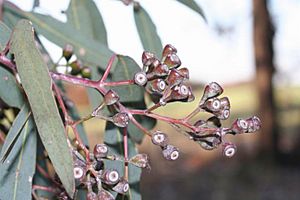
<point x="86" y="18"/>
<point x="113" y="138"/>
<point x="4" y="35"/>
<point x="16" y="173"/>
<point x="14" y="132"/>
<point x="10" y="91"/>
<point x="37" y="84"/>
<point x="147" y="30"/>
<point x="194" y="6"/>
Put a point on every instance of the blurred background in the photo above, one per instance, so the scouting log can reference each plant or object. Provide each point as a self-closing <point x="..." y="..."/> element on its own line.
<point x="251" y="47"/>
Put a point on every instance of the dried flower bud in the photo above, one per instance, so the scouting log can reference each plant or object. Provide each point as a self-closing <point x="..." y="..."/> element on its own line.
<point x="159" y="138"/>
<point x="121" y="119"/>
<point x="229" y="149"/>
<point x="76" y="67"/>
<point x="111" y="97"/>
<point x="170" y="152"/>
<point x="168" y="49"/>
<point x="122" y="187"/>
<point x="211" y="90"/>
<point x="110" y="176"/>
<point x="172" y="61"/>
<point x="105" y="195"/>
<point x="239" y="126"/>
<point x="91" y="196"/>
<point x="100" y="151"/>
<point x="160" y="70"/>
<point x="156" y="86"/>
<point x="86" y="72"/>
<point x="140" y="78"/>
<point x="68" y="52"/>
<point x="254" y="124"/>
<point x="79" y="172"/>
<point x="140" y="160"/>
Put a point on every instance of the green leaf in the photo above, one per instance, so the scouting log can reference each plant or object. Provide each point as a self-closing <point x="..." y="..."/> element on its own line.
<point x="147" y="31"/>
<point x="86" y="18"/>
<point x="37" y="84"/>
<point x="4" y="35"/>
<point x="114" y="139"/>
<point x="194" y="6"/>
<point x="16" y="173"/>
<point x="90" y="51"/>
<point x="14" y="132"/>
<point x="10" y="91"/>
<point x="125" y="69"/>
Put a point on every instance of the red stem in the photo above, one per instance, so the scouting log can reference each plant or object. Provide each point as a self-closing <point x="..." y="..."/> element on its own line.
<point x="8" y="63"/>
<point x="119" y="83"/>
<point x="125" y="144"/>
<point x="108" y="68"/>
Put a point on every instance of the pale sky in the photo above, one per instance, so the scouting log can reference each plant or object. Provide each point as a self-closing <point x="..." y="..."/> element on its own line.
<point x="210" y="57"/>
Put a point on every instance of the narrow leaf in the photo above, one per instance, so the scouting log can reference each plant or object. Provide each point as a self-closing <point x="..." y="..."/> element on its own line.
<point x="16" y="173"/>
<point x="84" y="16"/>
<point x="37" y="84"/>
<point x="125" y="69"/>
<point x="114" y="139"/>
<point x="147" y="31"/>
<point x="194" y="6"/>
<point x="10" y="92"/>
<point x="14" y="132"/>
<point x="90" y="51"/>
<point x="4" y="35"/>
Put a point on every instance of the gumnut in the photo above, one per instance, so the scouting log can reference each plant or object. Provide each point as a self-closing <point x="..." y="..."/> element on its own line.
<point x="100" y="151"/>
<point x="121" y="119"/>
<point x="170" y="152"/>
<point x="159" y="138"/>
<point x="79" y="172"/>
<point x="156" y="86"/>
<point x="111" y="97"/>
<point x="254" y="124"/>
<point x="140" y="160"/>
<point x="122" y="187"/>
<point x="172" y="61"/>
<point x="175" y="78"/>
<point x="223" y="114"/>
<point x="91" y="196"/>
<point x="229" y="149"/>
<point x="147" y="58"/>
<point x="140" y="78"/>
<point x="212" y="105"/>
<point x="68" y="51"/>
<point x="211" y="90"/>
<point x="182" y="93"/>
<point x="239" y="126"/>
<point x="168" y="49"/>
<point x="105" y="195"/>
<point x="159" y="71"/>
<point x="110" y="176"/>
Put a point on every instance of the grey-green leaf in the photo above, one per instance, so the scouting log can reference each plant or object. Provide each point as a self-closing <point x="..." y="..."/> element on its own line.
<point x="86" y="18"/>
<point x="37" y="84"/>
<point x="194" y="6"/>
<point x="4" y="35"/>
<point x="147" y="31"/>
<point x="114" y="139"/>
<point x="14" y="132"/>
<point x="10" y="92"/>
<point x="90" y="51"/>
<point x="125" y="69"/>
<point x="16" y="173"/>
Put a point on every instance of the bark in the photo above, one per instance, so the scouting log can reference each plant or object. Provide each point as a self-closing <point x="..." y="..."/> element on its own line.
<point x="263" y="34"/>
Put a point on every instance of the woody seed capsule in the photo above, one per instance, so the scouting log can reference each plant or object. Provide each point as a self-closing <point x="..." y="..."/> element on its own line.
<point x="239" y="126"/>
<point x="121" y="119"/>
<point x="105" y="195"/>
<point x="91" y="196"/>
<point x="170" y="152"/>
<point x="122" y="187"/>
<point x="110" y="177"/>
<point x="111" y="97"/>
<point x="168" y="49"/>
<point x="229" y="149"/>
<point x="140" y="160"/>
<point x="159" y="138"/>
<point x="140" y="78"/>
<point x="100" y="151"/>
<point x="211" y="90"/>
<point x="156" y="86"/>
<point x="172" y="61"/>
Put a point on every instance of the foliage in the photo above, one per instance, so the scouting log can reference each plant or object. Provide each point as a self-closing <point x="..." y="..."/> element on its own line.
<point x="44" y="149"/>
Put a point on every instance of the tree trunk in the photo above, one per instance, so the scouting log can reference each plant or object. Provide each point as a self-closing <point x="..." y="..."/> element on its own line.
<point x="263" y="33"/>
